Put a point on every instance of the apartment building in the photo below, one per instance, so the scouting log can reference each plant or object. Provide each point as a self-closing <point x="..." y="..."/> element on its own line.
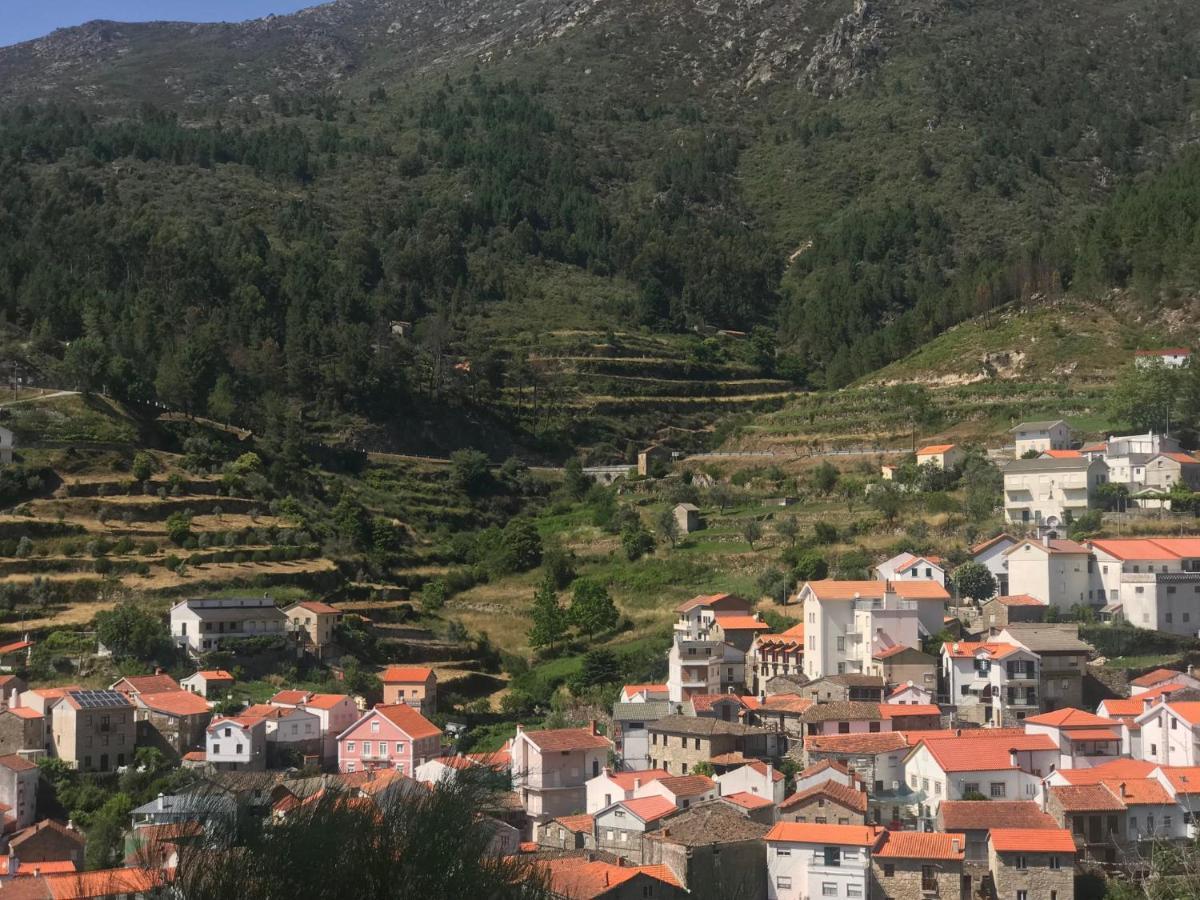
<point x="1150" y="582"/>
<point x="990" y="682"/>
<point x="94" y="731"/>
<point x="1050" y="491"/>
<point x="807" y="860"/>
<point x="1057" y="572"/>
<point x="204" y="624"/>
<point x="1040" y="436"/>
<point x="551" y="768"/>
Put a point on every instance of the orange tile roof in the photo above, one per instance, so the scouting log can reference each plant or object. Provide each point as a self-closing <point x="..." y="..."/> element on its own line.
<point x="17" y="763"/>
<point x="972" y="815"/>
<point x="625" y="780"/>
<point x="580" y="878"/>
<point x="1094" y="734"/>
<point x="648" y="809"/>
<point x="1069" y="717"/>
<point x="148" y="684"/>
<point x="413" y="724"/>
<point x="195" y="756"/>
<point x="761" y="769"/>
<point x="175" y="703"/>
<point x="786" y="703"/>
<point x="891" y="651"/>
<point x="839" y="793"/>
<point x="934" y="448"/>
<point x="290" y="698"/>
<point x="688" y="785"/>
<point x="1113" y="770"/>
<point x="1188" y="710"/>
<point x="985" y="755"/>
<point x="1185" y="458"/>
<point x="558" y="739"/>
<point x="983" y="545"/>
<point x="214" y="675"/>
<point x="630" y="689"/>
<point x="730" y="600"/>
<point x="325" y="701"/>
<point x="900" y="689"/>
<point x="879" y="742"/>
<point x="959" y="734"/>
<point x="733" y="622"/>
<point x="14" y="647"/>
<point x="1032" y="840"/>
<point x="25" y="712"/>
<point x="750" y="701"/>
<point x="405" y="674"/>
<point x="746" y="800"/>
<point x="968" y="649"/>
<point x="1184" y="779"/>
<point x="1158" y="676"/>
<point x="104" y="883"/>
<point x="705" y="702"/>
<point x="1062" y="454"/>
<point x="818" y="767"/>
<point x="922" y="845"/>
<point x="900" y="710"/>
<point x="812" y="833"/>
<point x="662" y="873"/>
<point x="1085" y="798"/>
<point x="1135" y="548"/>
<point x="913" y="560"/>
<point x="1019" y="600"/>
<point x="321" y="609"/>
<point x="1139" y="791"/>
<point x="916" y="589"/>
<point x="1053" y="546"/>
<point x="577" y="823"/>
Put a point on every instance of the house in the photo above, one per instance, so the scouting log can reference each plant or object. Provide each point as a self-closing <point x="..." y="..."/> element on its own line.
<point x="93" y="731"/>
<point x="806" y="860"/>
<point x="843" y="688"/>
<point x="911" y="865"/>
<point x="550" y="768"/>
<point x="233" y="744"/>
<point x="991" y="554"/>
<point x="687" y="518"/>
<point x="198" y="806"/>
<point x="775" y="654"/>
<point x="631" y="740"/>
<point x="910" y="717"/>
<point x="910" y="694"/>
<point x="133" y="685"/>
<point x="900" y="664"/>
<point x="313" y="622"/>
<point x="1166" y="470"/>
<point x="711" y="850"/>
<point x="22" y="730"/>
<point x="727" y="707"/>
<point x="390" y="736"/>
<point x="14" y="655"/>
<point x="1057" y="572"/>
<point x="619" y="828"/>
<point x="678" y="743"/>
<point x="567" y="833"/>
<point x="1040" y="436"/>
<point x="700" y="661"/>
<point x="1150" y="582"/>
<point x="11" y="688"/>
<point x="974" y="820"/>
<point x="201" y="625"/>
<point x="129" y="883"/>
<point x="1147" y="444"/>
<point x="940" y="456"/>
<point x="827" y="802"/>
<point x="1032" y="863"/>
<point x="587" y="878"/>
<point x="912" y="567"/>
<point x="415" y="686"/>
<point x="738" y="629"/>
<point x="758" y="778"/>
<point x="172" y="721"/>
<point x="990" y="682"/>
<point x="651" y="459"/>
<point x="608" y="787"/>
<point x="888" y="472"/>
<point x="682" y="790"/>
<point x="640" y="693"/>
<point x="1063" y="657"/>
<point x="1050" y="492"/>
<point x="876" y="760"/>
<point x="845" y="622"/>
<point x="850" y="717"/>
<point x="783" y="712"/>
<point x="1083" y="739"/>
<point x="293" y="734"/>
<point x="18" y="790"/>
<point x="999" y="611"/>
<point x="48" y="841"/>
<point x="1169" y="358"/>
<point x="335" y="713"/>
<point x="1159" y="678"/>
<point x="208" y="681"/>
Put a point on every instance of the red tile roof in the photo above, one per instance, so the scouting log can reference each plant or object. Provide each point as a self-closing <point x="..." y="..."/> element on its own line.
<point x="1019" y="600"/>
<point x="818" y="767"/>
<point x="319" y="608"/>
<point x="793" y="703"/>
<point x="405" y="674"/>
<point x="1184" y="458"/>
<point x="1085" y="798"/>
<point x="581" y="823"/>
<point x="688" y="785"/>
<point x="289" y="698"/>
<point x="325" y="701"/>
<point x="705" y="702"/>
<point x="1114" y="770"/>
<point x="811" y="833"/>
<point x="1069" y="717"/>
<point x="1184" y="779"/>
<point x="746" y="800"/>
<point x="25" y="712"/>
<point x="934" y="448"/>
<point x="922" y="845"/>
<point x="1158" y="676"/>
<point x="983" y="545"/>
<point x="413" y="724"/>
<point x="104" y="883"/>
<point x="14" y="647"/>
<point x="761" y="769"/>
<point x="195" y="756"/>
<point x="899" y="710"/>
<point x="1062" y="454"/>
<point x="916" y="589"/>
<point x="648" y="809"/>
<point x="630" y="689"/>
<point x="175" y="703"/>
<point x="880" y="742"/>
<point x="729" y="601"/>
<point x="147" y="684"/>
<point x="969" y="649"/>
<point x="558" y="739"/>
<point x="1133" y="548"/>
<point x="1188" y="710"/>
<point x="214" y="675"/>
<point x="839" y="793"/>
<point x="972" y="815"/>
<point x="891" y="651"/>
<point x="1032" y="840"/>
<point x="733" y="622"/>
<point x="580" y="878"/>
<point x="1094" y="734"/>
<point x="625" y="780"/>
<point x="985" y="755"/>
<point x="16" y="763"/>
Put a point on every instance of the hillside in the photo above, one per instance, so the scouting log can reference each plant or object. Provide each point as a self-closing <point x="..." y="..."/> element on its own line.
<point x="230" y="219"/>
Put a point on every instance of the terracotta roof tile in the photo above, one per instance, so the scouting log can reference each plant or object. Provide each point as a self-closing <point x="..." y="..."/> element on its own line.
<point x="934" y="448"/>
<point x="558" y="739"/>
<point x="175" y="703"/>
<point x="985" y="755"/>
<point x="880" y="742"/>
<point x="625" y="780"/>
<point x="729" y="601"/>
<point x="1183" y="779"/>
<point x="17" y="763"/>
<point x="104" y="883"/>
<point x="147" y="684"/>
<point x="405" y="674"/>
<point x="1158" y="676"/>
<point x="970" y="649"/>
<point x="649" y="809"/>
<point x="917" y="589"/>
<point x="688" y="785"/>
<point x="841" y="794"/>
<point x="792" y="703"/>
<point x="325" y="701"/>
<point x="730" y="621"/>
<point x="289" y="698"/>
<point x="922" y="845"/>
<point x="761" y="769"/>
<point x="1085" y="798"/>
<point x="984" y="545"/>
<point x="1114" y="770"/>
<point x="973" y="815"/>
<point x="900" y="710"/>
<point x="811" y="833"/>
<point x="214" y="675"/>
<point x="408" y="719"/>
<point x="1032" y="840"/>
<point x="1019" y="600"/>
<point x="318" y="608"/>
<point x="1069" y="717"/>
<point x="581" y="823"/>
<point x="746" y="800"/>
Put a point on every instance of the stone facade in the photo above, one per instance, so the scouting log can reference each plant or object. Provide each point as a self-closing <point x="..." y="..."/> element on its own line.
<point x="554" y="835"/>
<point x="822" y="810"/>
<point x="21" y="730"/>
<point x="1032" y="873"/>
<point x="897" y="878"/>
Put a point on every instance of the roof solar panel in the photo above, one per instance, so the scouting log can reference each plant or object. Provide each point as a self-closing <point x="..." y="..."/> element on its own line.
<point x="92" y="699"/>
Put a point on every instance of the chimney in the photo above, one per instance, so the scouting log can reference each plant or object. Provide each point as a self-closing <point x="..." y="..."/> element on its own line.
<point x="161" y="801"/>
<point x="608" y="771"/>
<point x="637" y="784"/>
<point x="13" y="864"/>
<point x="520" y="728"/>
<point x="592" y="726"/>
<point x="1124" y="790"/>
<point x="1046" y="539"/>
<point x="770" y="780"/>
<point x="158" y="670"/>
<point x="1190" y="668"/>
<point x="954" y="844"/>
<point x="1012" y="757"/>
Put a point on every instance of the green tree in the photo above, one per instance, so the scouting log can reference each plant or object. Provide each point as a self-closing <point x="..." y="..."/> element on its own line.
<point x="668" y="526"/>
<point x="721" y="495"/>
<point x="973" y="580"/>
<point x="810" y="566"/>
<point x="470" y="473"/>
<point x="521" y="546"/>
<point x="592" y="608"/>
<point x="558" y="563"/>
<point x="133" y="632"/>
<point x="705" y="768"/>
<point x="788" y="528"/>
<point x="600" y="666"/>
<point x="352" y="523"/>
<point x="824" y="478"/>
<point x="106" y="835"/>
<point x="179" y="527"/>
<point x="636" y="540"/>
<point x="888" y="501"/>
<point x="851" y="489"/>
<point x="575" y="483"/>
<point x="547" y="617"/>
<point x="85" y="363"/>
<point x="143" y="466"/>
<point x="1144" y="398"/>
<point x="751" y="531"/>
<point x="434" y="595"/>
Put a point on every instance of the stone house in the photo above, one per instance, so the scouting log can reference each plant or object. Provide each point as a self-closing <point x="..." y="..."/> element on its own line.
<point x="1032" y="863"/>
<point x="18" y="790"/>
<point x="900" y="664"/>
<point x="652" y="458"/>
<point x="173" y="721"/>
<point x="48" y="841"/>
<point x="94" y="731"/>
<point x="844" y="688"/>
<point x="11" y="688"/>
<point x="687" y="518"/>
<point x="784" y="712"/>
<point x="829" y="802"/>
<point x="619" y="828"/>
<point x="711" y="850"/>
<point x="678" y="743"/>
<point x="567" y="833"/>
<point x="913" y="865"/>
<point x="975" y="819"/>
<point x="1063" y="659"/>
<point x="133" y="685"/>
<point x="22" y="729"/>
<point x="849" y="717"/>
<point x="1094" y="814"/>
<point x="1000" y="611"/>
<point x="206" y="682"/>
<point x="759" y="778"/>
<point x="313" y="623"/>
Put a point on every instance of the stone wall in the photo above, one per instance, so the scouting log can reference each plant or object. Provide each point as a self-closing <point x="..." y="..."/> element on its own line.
<point x="821" y="810"/>
<point x="900" y="879"/>
<point x="1037" y="879"/>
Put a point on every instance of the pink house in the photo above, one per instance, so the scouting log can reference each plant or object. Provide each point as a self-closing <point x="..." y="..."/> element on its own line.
<point x="390" y="736"/>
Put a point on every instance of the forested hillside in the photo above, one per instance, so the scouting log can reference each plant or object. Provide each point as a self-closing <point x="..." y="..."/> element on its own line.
<point x="842" y="180"/>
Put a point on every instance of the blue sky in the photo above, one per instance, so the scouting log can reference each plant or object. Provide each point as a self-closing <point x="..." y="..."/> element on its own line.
<point x="21" y="20"/>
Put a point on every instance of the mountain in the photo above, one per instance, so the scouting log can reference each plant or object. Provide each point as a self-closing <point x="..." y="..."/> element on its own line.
<point x="229" y="218"/>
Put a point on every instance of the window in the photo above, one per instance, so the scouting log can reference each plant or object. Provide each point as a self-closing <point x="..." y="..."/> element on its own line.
<point x="399" y="747"/>
<point x="841" y="644"/>
<point x="1022" y="863"/>
<point x="997" y="789"/>
<point x="889" y="870"/>
<point x="366" y="747"/>
<point x="1055" y="862"/>
<point x="375" y="725"/>
<point x="971" y="787"/>
<point x="853" y="890"/>
<point x="833" y="856"/>
<point x="349" y="746"/>
<point x="696" y="744"/>
<point x="829" y="889"/>
<point x="1022" y="895"/>
<point x="783" y="851"/>
<point x="238" y="749"/>
<point x="783" y="881"/>
<point x="216" y="749"/>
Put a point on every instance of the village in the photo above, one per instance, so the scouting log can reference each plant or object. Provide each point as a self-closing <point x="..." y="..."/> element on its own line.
<point x="933" y="730"/>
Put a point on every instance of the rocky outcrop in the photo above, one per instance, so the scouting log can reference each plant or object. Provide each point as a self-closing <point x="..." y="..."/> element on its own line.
<point x="848" y="53"/>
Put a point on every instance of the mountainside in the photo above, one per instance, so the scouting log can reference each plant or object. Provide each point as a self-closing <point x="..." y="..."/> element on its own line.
<point x="231" y="218"/>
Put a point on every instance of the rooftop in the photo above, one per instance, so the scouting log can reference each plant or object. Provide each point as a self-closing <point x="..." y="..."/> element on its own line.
<point x="648" y="809"/>
<point x="922" y="845"/>
<point x="839" y="793"/>
<point x="881" y="742"/>
<point x="1032" y="840"/>
<point x="1156" y="677"/>
<point x="972" y="815"/>
<point x="728" y="601"/>
<point x="565" y="739"/>
<point x="747" y="800"/>
<point x="688" y="785"/>
<point x="175" y="703"/>
<point x="812" y="833"/>
<point x="985" y="755"/>
<point x="843" y="710"/>
<point x="405" y="674"/>
<point x="412" y="722"/>
<point x="708" y="823"/>
<point x="700" y="726"/>
<point x="146" y="684"/>
<point x="916" y="589"/>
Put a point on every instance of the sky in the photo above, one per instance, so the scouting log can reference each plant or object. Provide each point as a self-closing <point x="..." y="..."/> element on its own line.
<point x="21" y="20"/>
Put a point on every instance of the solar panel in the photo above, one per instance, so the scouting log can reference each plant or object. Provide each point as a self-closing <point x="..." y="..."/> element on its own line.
<point x="97" y="699"/>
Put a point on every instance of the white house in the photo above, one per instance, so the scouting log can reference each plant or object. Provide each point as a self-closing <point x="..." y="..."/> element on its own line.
<point x="1046" y="492"/>
<point x="1041" y="436"/>
<point x="1150" y="582"/>
<point x="806" y="861"/>
<point x="1168" y="358"/>
<point x="236" y="744"/>
<point x="608" y="787"/>
<point x="1160" y="678"/>
<point x="201" y="625"/>
<point x="759" y="778"/>
<point x="1148" y="444"/>
<point x="1083" y="739"/>
<point x="941" y="456"/>
<point x="913" y="568"/>
<point x="910" y="694"/>
<point x="990" y="555"/>
<point x="550" y="769"/>
<point x="990" y="683"/>
<point x="847" y="622"/>
<point x="682" y="790"/>
<point x="1171" y="732"/>
<point x="207" y="683"/>
<point x="1057" y="572"/>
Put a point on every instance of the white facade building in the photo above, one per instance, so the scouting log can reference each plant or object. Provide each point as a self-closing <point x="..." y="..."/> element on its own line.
<point x="990" y="683"/>
<point x="1057" y="572"/>
<point x="907" y="566"/>
<point x="236" y="744"/>
<point x="806" y="861"/>
<point x="201" y="624"/>
<point x="1041" y="436"/>
<point x="990" y="555"/>
<point x="1047" y="492"/>
<point x="759" y="778"/>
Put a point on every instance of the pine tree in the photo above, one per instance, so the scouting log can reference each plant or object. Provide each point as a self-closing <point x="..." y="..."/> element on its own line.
<point x="548" y="618"/>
